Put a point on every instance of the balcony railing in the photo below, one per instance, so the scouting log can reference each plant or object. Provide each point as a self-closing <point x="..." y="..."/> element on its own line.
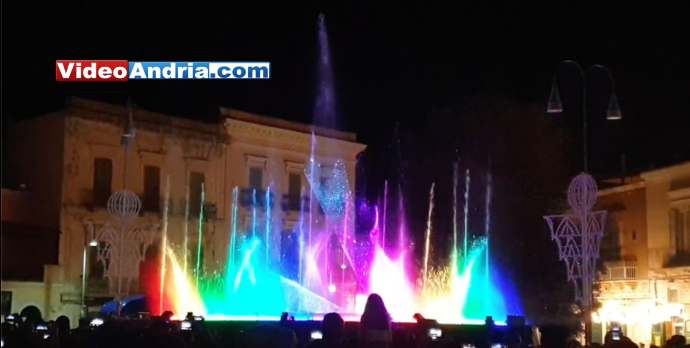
<point x="287" y="203"/>
<point x="250" y="195"/>
<point x="623" y="270"/>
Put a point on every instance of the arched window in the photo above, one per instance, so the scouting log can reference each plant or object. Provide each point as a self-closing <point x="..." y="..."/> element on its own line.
<point x="611" y="242"/>
<point x="102" y="180"/>
<point x="196" y="186"/>
<point x="678" y="235"/>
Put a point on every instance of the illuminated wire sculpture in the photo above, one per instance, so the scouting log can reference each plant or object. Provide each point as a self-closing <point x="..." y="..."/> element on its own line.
<point x="578" y="236"/>
<point x="124" y="204"/>
<point x="122" y="243"/>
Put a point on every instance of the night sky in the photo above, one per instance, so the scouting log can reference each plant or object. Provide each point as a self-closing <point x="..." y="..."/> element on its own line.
<point x="392" y="64"/>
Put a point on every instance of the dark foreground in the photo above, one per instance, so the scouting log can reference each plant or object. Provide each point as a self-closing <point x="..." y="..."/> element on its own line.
<point x="191" y="334"/>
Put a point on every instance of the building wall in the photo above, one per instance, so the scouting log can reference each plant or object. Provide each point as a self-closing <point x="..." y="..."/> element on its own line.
<point x="626" y="230"/>
<point x="666" y="188"/>
<point x="36" y="163"/>
<point x="31" y="216"/>
<point x="17" y="207"/>
<point x="91" y="135"/>
<point x="654" y="305"/>
<point x="60" y="168"/>
<point x="669" y="188"/>
<point x="657" y="213"/>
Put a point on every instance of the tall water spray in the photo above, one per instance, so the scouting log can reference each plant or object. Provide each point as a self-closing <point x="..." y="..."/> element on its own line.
<point x="200" y="235"/>
<point x="324" y="107"/>
<point x="487" y="221"/>
<point x="312" y="170"/>
<point x="254" y="208"/>
<point x="454" y="250"/>
<point x="185" y="237"/>
<point x="164" y="242"/>
<point x="301" y="241"/>
<point x="267" y="237"/>
<point x="233" y="229"/>
<point x="385" y="213"/>
<point x="427" y="237"/>
<point x="466" y="231"/>
<point x="401" y="221"/>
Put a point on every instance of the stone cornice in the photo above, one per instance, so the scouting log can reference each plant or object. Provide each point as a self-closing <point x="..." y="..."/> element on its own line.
<point x="275" y="122"/>
<point x="621" y="188"/>
<point x="239" y="126"/>
<point x="679" y="194"/>
<point x="667" y="172"/>
<point x="258" y="134"/>
<point x="145" y="120"/>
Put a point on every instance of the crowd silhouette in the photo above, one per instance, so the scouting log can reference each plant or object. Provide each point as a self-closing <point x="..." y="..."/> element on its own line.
<point x="375" y="329"/>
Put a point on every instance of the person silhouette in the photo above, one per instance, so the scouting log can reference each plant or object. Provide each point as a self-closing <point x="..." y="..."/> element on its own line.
<point x="375" y="323"/>
<point x="62" y="330"/>
<point x="332" y="330"/>
<point x="31" y="315"/>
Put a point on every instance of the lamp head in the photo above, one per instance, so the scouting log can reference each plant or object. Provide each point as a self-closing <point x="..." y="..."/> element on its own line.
<point x="554" y="105"/>
<point x="613" y="113"/>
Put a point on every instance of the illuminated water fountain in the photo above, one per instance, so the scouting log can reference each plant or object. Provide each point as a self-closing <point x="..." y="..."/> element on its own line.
<point x="329" y="276"/>
<point x="328" y="272"/>
<point x="466" y="290"/>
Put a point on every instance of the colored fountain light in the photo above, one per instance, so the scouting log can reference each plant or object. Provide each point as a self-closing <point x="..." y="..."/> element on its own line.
<point x="326" y="265"/>
<point x="329" y="277"/>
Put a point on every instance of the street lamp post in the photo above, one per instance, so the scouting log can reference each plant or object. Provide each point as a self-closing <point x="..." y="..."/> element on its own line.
<point x="578" y="235"/>
<point x="125" y="242"/>
<point x="85" y="273"/>
<point x="613" y="111"/>
<point x="84" y="311"/>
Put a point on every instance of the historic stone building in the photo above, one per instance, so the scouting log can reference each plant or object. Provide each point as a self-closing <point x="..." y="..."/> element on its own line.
<point x="645" y="283"/>
<point x="71" y="162"/>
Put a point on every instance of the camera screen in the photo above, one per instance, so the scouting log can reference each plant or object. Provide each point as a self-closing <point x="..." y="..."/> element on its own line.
<point x="435" y="333"/>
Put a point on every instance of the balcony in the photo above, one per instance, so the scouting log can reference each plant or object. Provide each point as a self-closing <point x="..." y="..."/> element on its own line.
<point x="287" y="203"/>
<point x="620" y="270"/>
<point x="248" y="195"/>
<point x="624" y="290"/>
<point x="295" y="204"/>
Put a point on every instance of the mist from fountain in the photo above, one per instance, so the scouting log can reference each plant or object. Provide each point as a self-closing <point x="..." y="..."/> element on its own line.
<point x="328" y="276"/>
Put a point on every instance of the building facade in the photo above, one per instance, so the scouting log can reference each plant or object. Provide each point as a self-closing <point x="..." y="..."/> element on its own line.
<point x="76" y="159"/>
<point x="644" y="285"/>
<point x="25" y="272"/>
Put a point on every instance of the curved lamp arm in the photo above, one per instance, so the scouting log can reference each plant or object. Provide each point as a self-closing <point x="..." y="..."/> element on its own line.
<point x="555" y="106"/>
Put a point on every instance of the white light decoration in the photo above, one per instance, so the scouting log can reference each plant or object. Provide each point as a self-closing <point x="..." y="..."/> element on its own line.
<point x="578" y="236"/>
<point x="124" y="242"/>
<point x="124" y="204"/>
